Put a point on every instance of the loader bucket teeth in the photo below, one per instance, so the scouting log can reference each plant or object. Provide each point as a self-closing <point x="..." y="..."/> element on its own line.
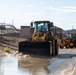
<point x="35" y="48"/>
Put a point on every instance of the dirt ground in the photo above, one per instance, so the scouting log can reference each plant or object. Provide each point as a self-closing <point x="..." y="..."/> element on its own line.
<point x="9" y="46"/>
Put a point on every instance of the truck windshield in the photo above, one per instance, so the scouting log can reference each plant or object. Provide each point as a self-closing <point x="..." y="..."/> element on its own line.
<point x="43" y="27"/>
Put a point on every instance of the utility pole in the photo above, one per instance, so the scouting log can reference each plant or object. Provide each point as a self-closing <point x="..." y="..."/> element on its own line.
<point x="12" y="21"/>
<point x="72" y="26"/>
<point x="4" y="21"/>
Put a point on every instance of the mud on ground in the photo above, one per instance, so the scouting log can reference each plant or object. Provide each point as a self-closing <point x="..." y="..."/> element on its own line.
<point x="9" y="46"/>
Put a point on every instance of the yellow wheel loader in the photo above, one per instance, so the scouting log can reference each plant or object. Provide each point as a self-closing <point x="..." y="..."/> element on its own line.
<point x="69" y="42"/>
<point x="43" y="41"/>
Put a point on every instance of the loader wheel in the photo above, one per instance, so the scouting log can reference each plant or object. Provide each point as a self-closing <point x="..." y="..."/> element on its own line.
<point x="75" y="45"/>
<point x="56" y="47"/>
<point x="67" y="46"/>
<point x="61" y="46"/>
<point x="53" y="47"/>
<point x="71" y="46"/>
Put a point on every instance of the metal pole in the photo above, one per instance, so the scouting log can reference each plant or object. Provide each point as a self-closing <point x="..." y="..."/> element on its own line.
<point x="12" y="21"/>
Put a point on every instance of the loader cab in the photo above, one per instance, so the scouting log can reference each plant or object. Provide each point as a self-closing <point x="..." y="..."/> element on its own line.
<point x="42" y="26"/>
<point x="72" y="35"/>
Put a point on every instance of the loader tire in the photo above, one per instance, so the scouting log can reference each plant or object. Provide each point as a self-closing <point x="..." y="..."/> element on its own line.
<point x="56" y="47"/>
<point x="67" y="46"/>
<point x="75" y="45"/>
<point x="61" y="47"/>
<point x="53" y="47"/>
<point x="71" y="46"/>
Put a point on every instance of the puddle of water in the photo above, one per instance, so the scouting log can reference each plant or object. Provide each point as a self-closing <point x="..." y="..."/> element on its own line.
<point x="9" y="66"/>
<point x="35" y="66"/>
<point x="27" y="66"/>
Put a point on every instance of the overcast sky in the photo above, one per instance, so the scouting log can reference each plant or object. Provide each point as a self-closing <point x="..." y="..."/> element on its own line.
<point x="22" y="12"/>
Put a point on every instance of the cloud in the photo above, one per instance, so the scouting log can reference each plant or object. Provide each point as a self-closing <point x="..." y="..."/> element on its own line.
<point x="62" y="9"/>
<point x="69" y="7"/>
<point x="66" y="10"/>
<point x="42" y="3"/>
<point x="35" y="14"/>
<point x="49" y="8"/>
<point x="30" y="5"/>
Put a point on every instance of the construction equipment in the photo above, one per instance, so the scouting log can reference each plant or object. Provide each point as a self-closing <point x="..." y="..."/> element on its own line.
<point x="43" y="41"/>
<point x="69" y="42"/>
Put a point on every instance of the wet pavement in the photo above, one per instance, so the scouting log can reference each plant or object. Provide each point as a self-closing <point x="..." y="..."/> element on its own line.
<point x="63" y="64"/>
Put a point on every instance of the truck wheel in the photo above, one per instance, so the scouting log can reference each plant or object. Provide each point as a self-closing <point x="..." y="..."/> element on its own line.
<point x="53" y="47"/>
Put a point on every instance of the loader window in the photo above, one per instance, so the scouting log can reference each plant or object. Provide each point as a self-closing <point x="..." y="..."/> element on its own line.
<point x="72" y="35"/>
<point x="43" y="27"/>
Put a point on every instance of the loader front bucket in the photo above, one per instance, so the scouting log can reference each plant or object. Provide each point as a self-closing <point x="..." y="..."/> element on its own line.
<point x="35" y="48"/>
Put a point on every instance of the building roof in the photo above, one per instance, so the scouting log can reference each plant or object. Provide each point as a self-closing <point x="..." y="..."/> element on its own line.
<point x="2" y="27"/>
